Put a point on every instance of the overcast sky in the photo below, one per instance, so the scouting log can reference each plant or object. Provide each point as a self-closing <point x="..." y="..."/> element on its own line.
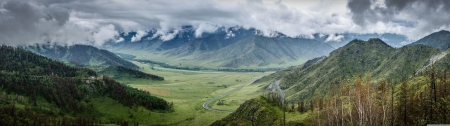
<point x="98" y="21"/>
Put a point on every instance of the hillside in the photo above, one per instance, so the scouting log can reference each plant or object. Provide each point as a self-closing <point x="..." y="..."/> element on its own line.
<point x="257" y="111"/>
<point x="358" y="58"/>
<point x="439" y="40"/>
<point x="394" y="96"/>
<point x="37" y="90"/>
<point x="263" y="51"/>
<point x="419" y="100"/>
<point x="83" y="55"/>
<point x="120" y="72"/>
<point x="394" y="40"/>
<point x="212" y="42"/>
<point x="249" y="51"/>
<point x="234" y="47"/>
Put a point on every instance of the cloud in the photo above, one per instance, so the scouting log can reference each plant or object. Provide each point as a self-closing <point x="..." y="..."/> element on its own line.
<point x="22" y="23"/>
<point x="415" y="17"/>
<point x="98" y="21"/>
<point x="120" y="39"/>
<point x="104" y="34"/>
<point x="138" y="36"/>
<point x="205" y="28"/>
<point x="334" y="38"/>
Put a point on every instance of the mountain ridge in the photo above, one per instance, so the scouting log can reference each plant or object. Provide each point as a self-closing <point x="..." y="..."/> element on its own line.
<point x="439" y="40"/>
<point x="373" y="57"/>
<point x="83" y="55"/>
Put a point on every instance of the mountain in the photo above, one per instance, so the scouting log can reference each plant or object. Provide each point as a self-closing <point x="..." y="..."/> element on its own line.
<point x="37" y="90"/>
<point x="368" y="82"/>
<point x="373" y="58"/>
<point x="439" y="40"/>
<point x="153" y="41"/>
<point x="84" y="55"/>
<point x="238" y="47"/>
<point x="264" y="51"/>
<point x="233" y="47"/>
<point x="339" y="40"/>
<point x="212" y="42"/>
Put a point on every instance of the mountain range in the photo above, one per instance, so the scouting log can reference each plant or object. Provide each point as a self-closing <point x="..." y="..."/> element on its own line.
<point x="439" y="40"/>
<point x="372" y="58"/>
<point x="81" y="55"/>
<point x="238" y="47"/>
<point x="339" y="40"/>
<point x="363" y="83"/>
<point x="227" y="48"/>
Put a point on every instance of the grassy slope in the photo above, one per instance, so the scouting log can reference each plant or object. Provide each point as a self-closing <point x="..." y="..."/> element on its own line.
<point x="257" y="111"/>
<point x="252" y="52"/>
<point x="439" y="40"/>
<point x="120" y="72"/>
<point x="373" y="57"/>
<point x="263" y="112"/>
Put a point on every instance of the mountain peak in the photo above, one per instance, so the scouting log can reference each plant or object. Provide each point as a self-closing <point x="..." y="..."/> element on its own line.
<point x="439" y="40"/>
<point x="443" y="31"/>
<point x="371" y="43"/>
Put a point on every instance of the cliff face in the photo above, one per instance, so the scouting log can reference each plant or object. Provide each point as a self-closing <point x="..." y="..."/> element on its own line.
<point x="257" y="111"/>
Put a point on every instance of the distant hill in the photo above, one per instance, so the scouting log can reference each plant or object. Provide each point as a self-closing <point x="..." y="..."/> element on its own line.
<point x="237" y="47"/>
<point x="234" y="47"/>
<point x="211" y="42"/>
<point x="83" y="55"/>
<point x="41" y="91"/>
<point x="257" y="111"/>
<point x="339" y="40"/>
<point x="263" y="51"/>
<point x="372" y="57"/>
<point x="439" y="40"/>
<point x="120" y="72"/>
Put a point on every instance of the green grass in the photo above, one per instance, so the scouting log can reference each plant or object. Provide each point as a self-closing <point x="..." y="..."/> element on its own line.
<point x="191" y="62"/>
<point x="188" y="90"/>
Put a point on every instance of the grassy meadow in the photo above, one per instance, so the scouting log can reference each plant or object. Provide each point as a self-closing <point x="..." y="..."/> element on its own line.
<point x="188" y="90"/>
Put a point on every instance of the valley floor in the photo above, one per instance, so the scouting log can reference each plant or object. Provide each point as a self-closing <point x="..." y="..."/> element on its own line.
<point x="188" y="90"/>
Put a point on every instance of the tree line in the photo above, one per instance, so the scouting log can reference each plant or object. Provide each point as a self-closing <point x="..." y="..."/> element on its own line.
<point x="420" y="100"/>
<point x="165" y="65"/>
<point x="67" y="89"/>
<point x="137" y="73"/>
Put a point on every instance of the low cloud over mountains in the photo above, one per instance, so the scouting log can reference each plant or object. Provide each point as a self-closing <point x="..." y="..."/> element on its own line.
<point x="98" y="21"/>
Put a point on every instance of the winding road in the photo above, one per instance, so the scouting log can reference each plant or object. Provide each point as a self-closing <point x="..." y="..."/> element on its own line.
<point x="205" y="105"/>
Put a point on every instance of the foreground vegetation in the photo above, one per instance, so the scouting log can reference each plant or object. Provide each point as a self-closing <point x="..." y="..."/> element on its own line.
<point x="420" y="100"/>
<point x="36" y="90"/>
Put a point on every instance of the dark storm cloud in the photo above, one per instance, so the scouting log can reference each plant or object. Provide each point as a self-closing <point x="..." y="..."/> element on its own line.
<point x="428" y="15"/>
<point x="99" y="21"/>
<point x="21" y="22"/>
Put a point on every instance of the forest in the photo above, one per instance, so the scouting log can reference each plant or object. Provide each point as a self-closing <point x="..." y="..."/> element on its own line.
<point x="419" y="100"/>
<point x="124" y="72"/>
<point x="36" y="90"/>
